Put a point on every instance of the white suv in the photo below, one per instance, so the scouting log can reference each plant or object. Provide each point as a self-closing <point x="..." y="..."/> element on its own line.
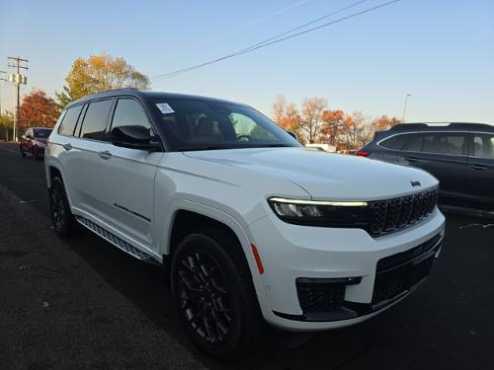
<point x="252" y="227"/>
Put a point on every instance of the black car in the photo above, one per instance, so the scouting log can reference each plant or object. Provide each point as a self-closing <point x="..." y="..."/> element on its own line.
<point x="460" y="155"/>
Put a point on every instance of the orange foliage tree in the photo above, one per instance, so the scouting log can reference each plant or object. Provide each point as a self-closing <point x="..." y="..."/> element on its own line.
<point x="333" y="123"/>
<point x="385" y="123"/>
<point x="38" y="109"/>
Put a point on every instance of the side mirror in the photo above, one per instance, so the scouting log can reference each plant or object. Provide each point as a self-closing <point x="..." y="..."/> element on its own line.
<point x="292" y="134"/>
<point x="135" y="137"/>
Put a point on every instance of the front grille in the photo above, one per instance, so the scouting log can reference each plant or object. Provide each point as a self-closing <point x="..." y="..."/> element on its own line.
<point x="398" y="273"/>
<point x="387" y="216"/>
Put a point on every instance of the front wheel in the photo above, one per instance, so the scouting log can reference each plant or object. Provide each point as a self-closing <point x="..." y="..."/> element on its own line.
<point x="23" y="153"/>
<point x="214" y="295"/>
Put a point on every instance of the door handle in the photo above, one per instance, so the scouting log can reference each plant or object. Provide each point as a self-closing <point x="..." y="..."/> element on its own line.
<point x="478" y="167"/>
<point x="104" y="155"/>
<point x="67" y="146"/>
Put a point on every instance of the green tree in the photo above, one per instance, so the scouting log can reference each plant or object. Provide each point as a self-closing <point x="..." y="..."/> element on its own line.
<point x="6" y="125"/>
<point x="99" y="73"/>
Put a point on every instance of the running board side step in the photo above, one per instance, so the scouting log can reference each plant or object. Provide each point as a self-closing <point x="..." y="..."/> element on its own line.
<point x="116" y="241"/>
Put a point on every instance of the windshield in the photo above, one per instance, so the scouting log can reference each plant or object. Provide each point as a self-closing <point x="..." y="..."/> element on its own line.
<point x="191" y="124"/>
<point x="42" y="133"/>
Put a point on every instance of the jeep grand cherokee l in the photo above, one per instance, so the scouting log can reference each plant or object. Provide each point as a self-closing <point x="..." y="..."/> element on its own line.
<point x="252" y="226"/>
<point x="459" y="155"/>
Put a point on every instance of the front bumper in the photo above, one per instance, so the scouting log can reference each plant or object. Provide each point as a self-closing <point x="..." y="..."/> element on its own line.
<point x="368" y="274"/>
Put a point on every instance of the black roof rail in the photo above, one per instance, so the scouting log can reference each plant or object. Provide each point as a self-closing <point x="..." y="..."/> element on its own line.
<point x="471" y="126"/>
<point x="440" y="125"/>
<point x="409" y="126"/>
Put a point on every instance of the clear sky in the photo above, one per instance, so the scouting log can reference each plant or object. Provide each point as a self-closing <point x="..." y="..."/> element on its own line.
<point x="440" y="51"/>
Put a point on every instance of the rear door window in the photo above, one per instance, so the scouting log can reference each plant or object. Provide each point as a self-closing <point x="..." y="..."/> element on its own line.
<point x="450" y="144"/>
<point x="69" y="121"/>
<point x="96" y="120"/>
<point x="483" y="146"/>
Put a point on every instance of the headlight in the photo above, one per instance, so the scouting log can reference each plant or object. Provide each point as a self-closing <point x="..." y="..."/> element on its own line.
<point x="320" y="213"/>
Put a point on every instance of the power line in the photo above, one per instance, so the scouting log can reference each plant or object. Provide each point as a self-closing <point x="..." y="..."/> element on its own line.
<point x="277" y="39"/>
<point x="307" y="24"/>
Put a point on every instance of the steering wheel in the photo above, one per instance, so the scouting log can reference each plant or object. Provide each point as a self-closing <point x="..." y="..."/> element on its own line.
<point x="243" y="138"/>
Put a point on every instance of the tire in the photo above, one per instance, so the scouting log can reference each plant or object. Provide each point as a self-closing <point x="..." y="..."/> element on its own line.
<point x="214" y="295"/>
<point x="23" y="153"/>
<point x="62" y="219"/>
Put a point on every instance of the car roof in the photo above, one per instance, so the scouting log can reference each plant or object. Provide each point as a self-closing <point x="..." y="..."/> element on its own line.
<point x="442" y="126"/>
<point x="146" y="94"/>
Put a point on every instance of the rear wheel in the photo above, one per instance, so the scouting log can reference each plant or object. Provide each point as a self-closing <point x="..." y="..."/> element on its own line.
<point x="61" y="216"/>
<point x="214" y="295"/>
<point x="23" y="153"/>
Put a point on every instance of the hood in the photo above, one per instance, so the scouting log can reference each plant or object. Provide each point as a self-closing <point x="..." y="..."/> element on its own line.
<point x="324" y="175"/>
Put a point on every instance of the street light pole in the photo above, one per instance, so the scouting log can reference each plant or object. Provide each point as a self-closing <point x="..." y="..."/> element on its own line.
<point x="405" y="105"/>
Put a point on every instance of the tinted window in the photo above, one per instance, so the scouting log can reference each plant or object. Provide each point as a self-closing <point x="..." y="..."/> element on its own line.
<point x="449" y="144"/>
<point x="69" y="121"/>
<point x="395" y="142"/>
<point x="129" y="112"/>
<point x="95" y="120"/>
<point x="413" y="143"/>
<point x="197" y="124"/>
<point x="483" y="146"/>
<point x="42" y="133"/>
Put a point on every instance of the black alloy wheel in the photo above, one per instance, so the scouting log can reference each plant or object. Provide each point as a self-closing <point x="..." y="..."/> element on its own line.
<point x="203" y="297"/>
<point x="214" y="296"/>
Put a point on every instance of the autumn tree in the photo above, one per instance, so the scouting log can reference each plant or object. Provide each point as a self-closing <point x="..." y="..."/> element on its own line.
<point x="286" y="115"/>
<point x="311" y="118"/>
<point x="38" y="109"/>
<point x="333" y="121"/>
<point x="356" y="130"/>
<point x="99" y="73"/>
<point x="385" y="123"/>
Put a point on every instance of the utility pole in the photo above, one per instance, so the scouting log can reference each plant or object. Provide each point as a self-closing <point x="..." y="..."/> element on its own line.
<point x="405" y="105"/>
<point x="6" y="128"/>
<point x="1" y="79"/>
<point x="17" y="78"/>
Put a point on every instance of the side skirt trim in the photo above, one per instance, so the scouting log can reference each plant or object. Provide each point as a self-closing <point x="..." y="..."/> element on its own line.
<point x="116" y="241"/>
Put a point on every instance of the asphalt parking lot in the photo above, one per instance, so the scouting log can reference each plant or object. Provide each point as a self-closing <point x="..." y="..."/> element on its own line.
<point x="84" y="304"/>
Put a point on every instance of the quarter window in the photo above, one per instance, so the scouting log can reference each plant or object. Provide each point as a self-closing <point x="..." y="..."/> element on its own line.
<point x="95" y="120"/>
<point x="69" y="121"/>
<point x="395" y="142"/>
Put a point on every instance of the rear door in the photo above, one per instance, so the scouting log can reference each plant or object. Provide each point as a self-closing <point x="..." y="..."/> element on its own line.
<point x="481" y="171"/>
<point x="88" y="173"/>
<point x="445" y="155"/>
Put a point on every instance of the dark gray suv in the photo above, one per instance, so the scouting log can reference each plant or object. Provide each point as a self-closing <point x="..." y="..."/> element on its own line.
<point x="459" y="155"/>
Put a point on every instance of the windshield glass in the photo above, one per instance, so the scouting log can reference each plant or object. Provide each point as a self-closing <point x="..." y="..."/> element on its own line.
<point x="42" y="133"/>
<point x="191" y="124"/>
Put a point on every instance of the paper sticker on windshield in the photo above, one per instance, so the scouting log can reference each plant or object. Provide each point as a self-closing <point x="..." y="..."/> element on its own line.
<point x="165" y="108"/>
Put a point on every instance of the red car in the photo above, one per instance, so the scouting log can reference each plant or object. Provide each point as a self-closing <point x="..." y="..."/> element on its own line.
<point x="34" y="141"/>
